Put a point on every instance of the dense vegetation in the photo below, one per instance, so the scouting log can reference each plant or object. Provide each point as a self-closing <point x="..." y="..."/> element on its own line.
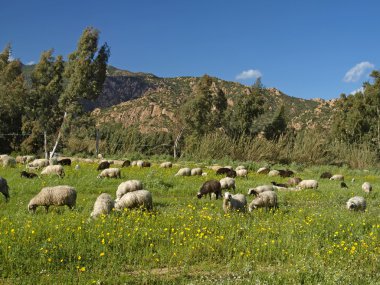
<point x="311" y="239"/>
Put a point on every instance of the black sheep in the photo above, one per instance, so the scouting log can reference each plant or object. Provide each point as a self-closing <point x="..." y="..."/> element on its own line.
<point x="286" y="173"/>
<point x="103" y="165"/>
<point x="28" y="174"/>
<point x="228" y="172"/>
<point x="64" y="161"/>
<point x="343" y="185"/>
<point x="326" y="175"/>
<point x="211" y="186"/>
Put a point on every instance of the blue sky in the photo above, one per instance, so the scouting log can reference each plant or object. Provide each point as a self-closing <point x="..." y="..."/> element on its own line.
<point x="307" y="49"/>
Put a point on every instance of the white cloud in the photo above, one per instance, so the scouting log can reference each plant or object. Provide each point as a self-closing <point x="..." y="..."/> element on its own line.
<point x="361" y="89"/>
<point x="30" y="63"/>
<point x="249" y="74"/>
<point x="355" y="73"/>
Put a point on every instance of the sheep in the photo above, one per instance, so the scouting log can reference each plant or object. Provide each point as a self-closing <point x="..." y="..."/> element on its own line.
<point x="4" y="188"/>
<point x="343" y="185"/>
<point x="128" y="186"/>
<point x="196" y="171"/>
<point x="8" y="161"/>
<point x="54" y="196"/>
<point x="337" y="177"/>
<point x="240" y="167"/>
<point x="242" y="173"/>
<point x="210" y="186"/>
<point x="126" y="163"/>
<point x="356" y="203"/>
<point x="229" y="172"/>
<point x="141" y="163"/>
<point x="227" y="183"/>
<point x="64" y="161"/>
<point x="283" y="185"/>
<point x="24" y="159"/>
<point x="263" y="170"/>
<point x="215" y="167"/>
<point x="42" y="162"/>
<point x="367" y="187"/>
<point x="236" y="202"/>
<point x="274" y="173"/>
<point x="260" y="189"/>
<point x="265" y="200"/>
<point x="103" y="165"/>
<point x="325" y="175"/>
<point x="53" y="169"/>
<point x="28" y="174"/>
<point x="184" y="172"/>
<point x="308" y="184"/>
<point x="285" y="173"/>
<point x="135" y="199"/>
<point x="166" y="164"/>
<point x="134" y="163"/>
<point x="103" y="205"/>
<point x="294" y="181"/>
<point x="110" y="173"/>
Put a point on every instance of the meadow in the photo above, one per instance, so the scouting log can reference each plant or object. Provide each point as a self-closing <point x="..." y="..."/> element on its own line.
<point x="311" y="239"/>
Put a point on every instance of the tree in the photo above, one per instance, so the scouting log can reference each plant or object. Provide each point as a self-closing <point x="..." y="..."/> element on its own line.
<point x="85" y="72"/>
<point x="278" y="125"/>
<point x="42" y="111"/>
<point x="12" y="97"/>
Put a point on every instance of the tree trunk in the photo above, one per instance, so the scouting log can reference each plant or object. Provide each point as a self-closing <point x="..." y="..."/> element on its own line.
<point x="176" y="142"/>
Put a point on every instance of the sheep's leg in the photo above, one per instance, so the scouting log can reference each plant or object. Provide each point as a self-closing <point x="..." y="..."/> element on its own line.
<point x="46" y="208"/>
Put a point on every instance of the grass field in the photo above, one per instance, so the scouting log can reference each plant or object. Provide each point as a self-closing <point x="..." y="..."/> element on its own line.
<point x="311" y="239"/>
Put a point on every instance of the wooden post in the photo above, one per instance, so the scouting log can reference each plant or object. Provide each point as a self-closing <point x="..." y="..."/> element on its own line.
<point x="176" y="143"/>
<point x="59" y="136"/>
<point x="97" y="142"/>
<point x="45" y="145"/>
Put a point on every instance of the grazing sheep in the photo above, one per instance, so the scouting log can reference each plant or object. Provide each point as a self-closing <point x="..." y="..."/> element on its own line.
<point x="240" y="167"/>
<point x="284" y="185"/>
<point x="367" y="187"/>
<point x="326" y="175"/>
<point x="308" y="184"/>
<point x="8" y="161"/>
<point x="263" y="170"/>
<point x="227" y="183"/>
<point x="236" y="202"/>
<point x="260" y="189"/>
<point x="285" y="173"/>
<point x="110" y="173"/>
<point x="53" y="169"/>
<point x="196" y="171"/>
<point x="103" y="205"/>
<point x="274" y="173"/>
<point x="134" y="163"/>
<point x="209" y="187"/>
<point x="166" y="164"/>
<point x="135" y="199"/>
<point x="294" y="181"/>
<point x="24" y="159"/>
<point x="28" y="174"/>
<point x="265" y="200"/>
<point x="223" y="170"/>
<point x="356" y="203"/>
<point x="41" y="162"/>
<point x="337" y="177"/>
<point x="128" y="186"/>
<point x="184" y="172"/>
<point x="54" y="196"/>
<point x="126" y="163"/>
<point x="103" y="165"/>
<point x="242" y="173"/>
<point x="343" y="185"/>
<point x="141" y="163"/>
<point x="4" y="188"/>
<point x="64" y="161"/>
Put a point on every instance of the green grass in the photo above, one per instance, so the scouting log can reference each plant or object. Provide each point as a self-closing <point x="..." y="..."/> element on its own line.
<point x="311" y="239"/>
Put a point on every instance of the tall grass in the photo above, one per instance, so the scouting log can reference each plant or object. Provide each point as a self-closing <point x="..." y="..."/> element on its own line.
<point x="311" y="239"/>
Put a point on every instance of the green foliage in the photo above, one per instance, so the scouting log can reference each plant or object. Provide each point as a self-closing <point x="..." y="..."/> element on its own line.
<point x="13" y="93"/>
<point x="278" y="125"/>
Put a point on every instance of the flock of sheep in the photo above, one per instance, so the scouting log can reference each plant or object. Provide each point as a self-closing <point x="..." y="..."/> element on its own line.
<point x="131" y="194"/>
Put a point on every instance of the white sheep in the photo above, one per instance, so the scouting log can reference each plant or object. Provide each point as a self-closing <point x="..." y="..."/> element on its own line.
<point x="184" y="172"/>
<point x="337" y="177"/>
<point x="166" y="164"/>
<point x="110" y="173"/>
<point x="41" y="162"/>
<point x="242" y="172"/>
<point x="135" y="199"/>
<point x="267" y="199"/>
<point x="8" y="161"/>
<point x="240" y="167"/>
<point x="54" y="196"/>
<point x="356" y="203"/>
<point x="263" y="170"/>
<point x="227" y="183"/>
<point x="308" y="184"/>
<point x="260" y="189"/>
<point x="103" y="205"/>
<point x="367" y="187"/>
<point x="139" y="163"/>
<point x="236" y="202"/>
<point x="274" y="172"/>
<point x="53" y="170"/>
<point x="196" y="171"/>
<point x="134" y="163"/>
<point x="128" y="186"/>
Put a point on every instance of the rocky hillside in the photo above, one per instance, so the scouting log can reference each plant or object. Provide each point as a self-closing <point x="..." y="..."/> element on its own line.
<point x="151" y="103"/>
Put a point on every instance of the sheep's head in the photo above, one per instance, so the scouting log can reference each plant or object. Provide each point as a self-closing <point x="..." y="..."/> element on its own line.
<point x="351" y="206"/>
<point x="252" y="191"/>
<point x="32" y="207"/>
<point x="199" y="195"/>
<point x="227" y="196"/>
